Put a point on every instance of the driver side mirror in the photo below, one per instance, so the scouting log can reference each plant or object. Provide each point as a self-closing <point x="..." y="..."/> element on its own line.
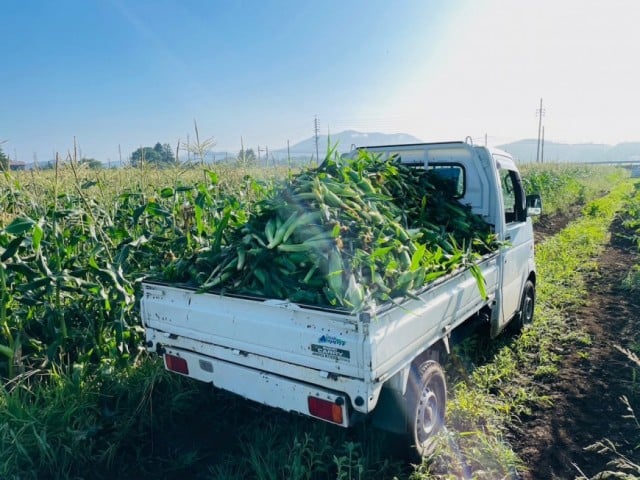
<point x="534" y="205"/>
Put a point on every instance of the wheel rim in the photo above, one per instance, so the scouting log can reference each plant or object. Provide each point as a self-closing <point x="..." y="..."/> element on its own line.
<point x="430" y="415"/>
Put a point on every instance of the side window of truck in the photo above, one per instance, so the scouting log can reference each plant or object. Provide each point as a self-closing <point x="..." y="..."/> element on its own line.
<point x="512" y="196"/>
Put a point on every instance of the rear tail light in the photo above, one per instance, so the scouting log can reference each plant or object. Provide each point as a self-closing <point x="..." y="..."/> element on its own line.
<point x="325" y="409"/>
<point x="176" y="364"/>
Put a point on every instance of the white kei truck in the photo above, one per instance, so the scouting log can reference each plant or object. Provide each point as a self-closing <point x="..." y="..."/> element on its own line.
<point x="384" y="361"/>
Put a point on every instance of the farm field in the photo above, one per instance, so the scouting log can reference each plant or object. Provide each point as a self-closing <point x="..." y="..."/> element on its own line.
<point x="81" y="399"/>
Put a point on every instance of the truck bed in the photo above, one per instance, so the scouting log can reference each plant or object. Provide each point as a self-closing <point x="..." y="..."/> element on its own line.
<point x="344" y="352"/>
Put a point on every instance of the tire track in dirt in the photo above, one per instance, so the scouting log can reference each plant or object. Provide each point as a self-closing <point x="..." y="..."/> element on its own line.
<point x="586" y="392"/>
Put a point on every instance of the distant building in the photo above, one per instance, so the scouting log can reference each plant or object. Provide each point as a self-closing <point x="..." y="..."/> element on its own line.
<point x="17" y="165"/>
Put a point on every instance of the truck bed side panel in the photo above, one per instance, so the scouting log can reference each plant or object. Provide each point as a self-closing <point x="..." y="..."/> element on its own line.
<point x="399" y="335"/>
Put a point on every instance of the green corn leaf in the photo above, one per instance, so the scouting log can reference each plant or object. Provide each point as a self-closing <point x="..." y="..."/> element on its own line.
<point x="137" y="213"/>
<point x="36" y="236"/>
<point x="22" y="269"/>
<point x="157" y="210"/>
<point x="35" y="285"/>
<point x="19" y="226"/>
<point x="381" y="252"/>
<point x="11" y="249"/>
<point x="417" y="257"/>
<point x="197" y="210"/>
<point x="88" y="184"/>
<point x="166" y="192"/>
<point x="477" y="274"/>
<point x="432" y="276"/>
<point x="6" y="351"/>
<point x="213" y="177"/>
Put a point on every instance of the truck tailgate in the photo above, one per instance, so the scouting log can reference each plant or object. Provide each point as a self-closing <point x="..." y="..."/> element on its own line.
<point x="323" y="340"/>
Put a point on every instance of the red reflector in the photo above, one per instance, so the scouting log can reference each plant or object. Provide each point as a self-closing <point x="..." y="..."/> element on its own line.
<point x="176" y="364"/>
<point x="325" y="409"/>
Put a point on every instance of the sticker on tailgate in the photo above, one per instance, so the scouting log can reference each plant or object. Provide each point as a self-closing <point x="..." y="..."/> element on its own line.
<point x="332" y="340"/>
<point x="330" y="352"/>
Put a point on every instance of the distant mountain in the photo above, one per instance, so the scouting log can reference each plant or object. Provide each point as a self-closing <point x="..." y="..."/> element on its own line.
<point x="344" y="141"/>
<point x="625" y="151"/>
<point x="525" y="151"/>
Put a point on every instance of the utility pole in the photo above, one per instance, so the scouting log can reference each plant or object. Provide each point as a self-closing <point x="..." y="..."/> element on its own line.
<point x="542" y="147"/>
<point x="540" y="113"/>
<point x="316" y="131"/>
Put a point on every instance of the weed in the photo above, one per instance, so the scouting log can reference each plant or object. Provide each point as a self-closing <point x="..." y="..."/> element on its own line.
<point x="631" y="282"/>
<point x="621" y="465"/>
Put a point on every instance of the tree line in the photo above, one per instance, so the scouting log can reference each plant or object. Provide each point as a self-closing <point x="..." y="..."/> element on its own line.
<point x="160" y="155"/>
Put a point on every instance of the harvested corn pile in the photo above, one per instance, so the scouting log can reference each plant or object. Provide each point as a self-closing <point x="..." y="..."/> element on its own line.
<point x="351" y="233"/>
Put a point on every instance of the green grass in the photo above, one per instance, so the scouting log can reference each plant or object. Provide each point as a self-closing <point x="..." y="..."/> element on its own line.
<point x="64" y="422"/>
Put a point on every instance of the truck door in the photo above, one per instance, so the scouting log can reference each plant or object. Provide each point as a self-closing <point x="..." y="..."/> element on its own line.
<point x="518" y="233"/>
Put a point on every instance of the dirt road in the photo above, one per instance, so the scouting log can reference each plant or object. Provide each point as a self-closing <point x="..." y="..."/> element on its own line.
<point x="587" y="392"/>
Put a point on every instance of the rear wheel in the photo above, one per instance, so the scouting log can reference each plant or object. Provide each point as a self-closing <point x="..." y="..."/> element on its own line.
<point x="426" y="399"/>
<point x="527" y="304"/>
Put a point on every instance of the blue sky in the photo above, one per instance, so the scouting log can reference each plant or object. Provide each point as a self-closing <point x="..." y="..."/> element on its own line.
<point x="131" y="73"/>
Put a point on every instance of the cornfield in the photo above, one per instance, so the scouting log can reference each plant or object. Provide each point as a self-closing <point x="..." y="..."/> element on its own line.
<point x="74" y="247"/>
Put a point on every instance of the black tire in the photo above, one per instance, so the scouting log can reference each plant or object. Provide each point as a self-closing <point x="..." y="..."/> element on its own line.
<point x="527" y="307"/>
<point x="426" y="400"/>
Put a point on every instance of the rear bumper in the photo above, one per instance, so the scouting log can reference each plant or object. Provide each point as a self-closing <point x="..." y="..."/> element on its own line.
<point x="259" y="386"/>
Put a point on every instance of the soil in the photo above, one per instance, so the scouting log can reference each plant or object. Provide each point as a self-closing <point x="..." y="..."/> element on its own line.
<point x="586" y="394"/>
<point x="551" y="224"/>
